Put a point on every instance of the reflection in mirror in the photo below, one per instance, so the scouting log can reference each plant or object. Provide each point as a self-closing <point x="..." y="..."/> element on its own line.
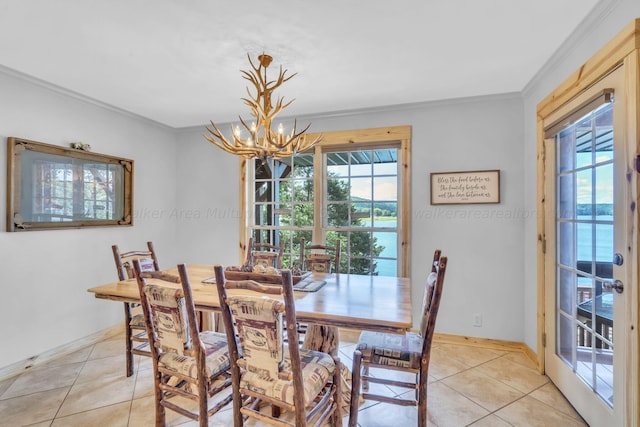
<point x="56" y="187"/>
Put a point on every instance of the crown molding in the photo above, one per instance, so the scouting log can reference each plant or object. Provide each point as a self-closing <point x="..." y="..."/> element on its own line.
<point x="10" y="72"/>
<point x="601" y="10"/>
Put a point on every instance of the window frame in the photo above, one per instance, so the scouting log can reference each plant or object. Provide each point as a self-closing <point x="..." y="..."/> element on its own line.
<point x="350" y="140"/>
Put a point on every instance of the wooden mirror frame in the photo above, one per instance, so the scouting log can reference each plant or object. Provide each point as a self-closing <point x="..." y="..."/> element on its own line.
<point x="112" y="188"/>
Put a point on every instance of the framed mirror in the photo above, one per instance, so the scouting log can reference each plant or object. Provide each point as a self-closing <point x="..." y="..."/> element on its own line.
<point x="51" y="187"/>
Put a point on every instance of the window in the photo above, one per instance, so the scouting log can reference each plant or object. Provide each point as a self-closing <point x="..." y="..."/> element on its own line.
<point x="361" y="208"/>
<point x="55" y="187"/>
<point x="352" y="187"/>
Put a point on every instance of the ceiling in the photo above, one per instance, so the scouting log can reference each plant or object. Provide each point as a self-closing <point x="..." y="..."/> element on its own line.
<point x="178" y="62"/>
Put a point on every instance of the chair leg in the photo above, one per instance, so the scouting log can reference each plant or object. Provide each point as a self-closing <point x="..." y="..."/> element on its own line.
<point x="422" y="399"/>
<point x="355" y="388"/>
<point x="128" y="344"/>
<point x="337" y="389"/>
<point x="238" y="399"/>
<point x="160" y="411"/>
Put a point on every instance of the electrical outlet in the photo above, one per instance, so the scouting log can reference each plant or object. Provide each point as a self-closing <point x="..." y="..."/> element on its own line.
<point x="477" y="320"/>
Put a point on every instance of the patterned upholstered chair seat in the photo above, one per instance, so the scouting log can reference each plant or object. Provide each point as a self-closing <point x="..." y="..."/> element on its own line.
<point x="216" y="352"/>
<point x="317" y="369"/>
<point x="137" y="320"/>
<point x="391" y="349"/>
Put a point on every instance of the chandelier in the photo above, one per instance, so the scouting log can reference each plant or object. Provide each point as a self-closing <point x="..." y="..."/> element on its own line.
<point x="260" y="140"/>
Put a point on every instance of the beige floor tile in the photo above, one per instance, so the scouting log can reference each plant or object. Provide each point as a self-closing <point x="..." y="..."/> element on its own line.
<point x="5" y="384"/>
<point x="144" y="383"/>
<point x="442" y="366"/>
<point x="550" y="395"/>
<point x="491" y="421"/>
<point x="111" y="347"/>
<point x="520" y="358"/>
<point x="108" y="366"/>
<point x="77" y="356"/>
<point x="447" y="407"/>
<point x="513" y="374"/>
<point x="143" y="413"/>
<point x="468" y="355"/>
<point x="143" y="362"/>
<point x="487" y="392"/>
<point x="105" y="391"/>
<point x="31" y="409"/>
<point x="384" y="415"/>
<point x="108" y="416"/>
<point x="43" y="378"/>
<point x="530" y="412"/>
<point x="223" y="418"/>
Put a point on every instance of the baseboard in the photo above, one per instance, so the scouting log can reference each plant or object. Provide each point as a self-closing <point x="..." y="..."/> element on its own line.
<point x="488" y="343"/>
<point x="26" y="364"/>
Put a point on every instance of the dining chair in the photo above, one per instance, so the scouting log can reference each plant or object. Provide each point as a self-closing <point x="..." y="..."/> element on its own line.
<point x="136" y="341"/>
<point x="406" y="353"/>
<point x="188" y="366"/>
<point x="291" y="381"/>
<point x="265" y="254"/>
<point x="318" y="258"/>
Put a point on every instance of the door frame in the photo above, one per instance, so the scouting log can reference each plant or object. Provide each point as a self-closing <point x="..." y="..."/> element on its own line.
<point x="623" y="50"/>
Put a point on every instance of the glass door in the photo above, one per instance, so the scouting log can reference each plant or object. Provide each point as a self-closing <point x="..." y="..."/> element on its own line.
<point x="585" y="265"/>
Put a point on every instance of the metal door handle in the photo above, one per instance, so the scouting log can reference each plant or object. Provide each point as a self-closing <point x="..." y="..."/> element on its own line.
<point x="615" y="285"/>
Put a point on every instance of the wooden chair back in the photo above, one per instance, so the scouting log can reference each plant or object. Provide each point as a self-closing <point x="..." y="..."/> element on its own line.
<point x="171" y="312"/>
<point x="319" y="258"/>
<point x="264" y="254"/>
<point x="431" y="305"/>
<point x="259" y="320"/>
<point x="255" y="322"/>
<point x="427" y="298"/>
<point x="124" y="261"/>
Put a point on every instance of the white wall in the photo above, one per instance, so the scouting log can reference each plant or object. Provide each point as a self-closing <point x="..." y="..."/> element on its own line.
<point x="45" y="274"/>
<point x="484" y="242"/>
<point x="208" y="196"/>
<point x="604" y="23"/>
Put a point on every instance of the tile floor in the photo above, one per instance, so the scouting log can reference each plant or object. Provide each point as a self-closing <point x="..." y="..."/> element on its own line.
<point x="469" y="386"/>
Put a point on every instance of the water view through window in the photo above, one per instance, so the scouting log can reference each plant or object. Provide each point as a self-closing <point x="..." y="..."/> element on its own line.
<point x="359" y="199"/>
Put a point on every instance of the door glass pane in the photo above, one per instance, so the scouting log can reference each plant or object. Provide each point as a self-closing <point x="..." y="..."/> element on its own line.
<point x="565" y="196"/>
<point x="584" y="248"/>
<point x="566" y="286"/>
<point x="564" y="347"/>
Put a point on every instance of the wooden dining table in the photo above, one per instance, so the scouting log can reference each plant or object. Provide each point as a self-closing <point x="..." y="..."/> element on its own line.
<point x="376" y="303"/>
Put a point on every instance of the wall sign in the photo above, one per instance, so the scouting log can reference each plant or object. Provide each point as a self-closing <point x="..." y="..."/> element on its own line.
<point x="465" y="187"/>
